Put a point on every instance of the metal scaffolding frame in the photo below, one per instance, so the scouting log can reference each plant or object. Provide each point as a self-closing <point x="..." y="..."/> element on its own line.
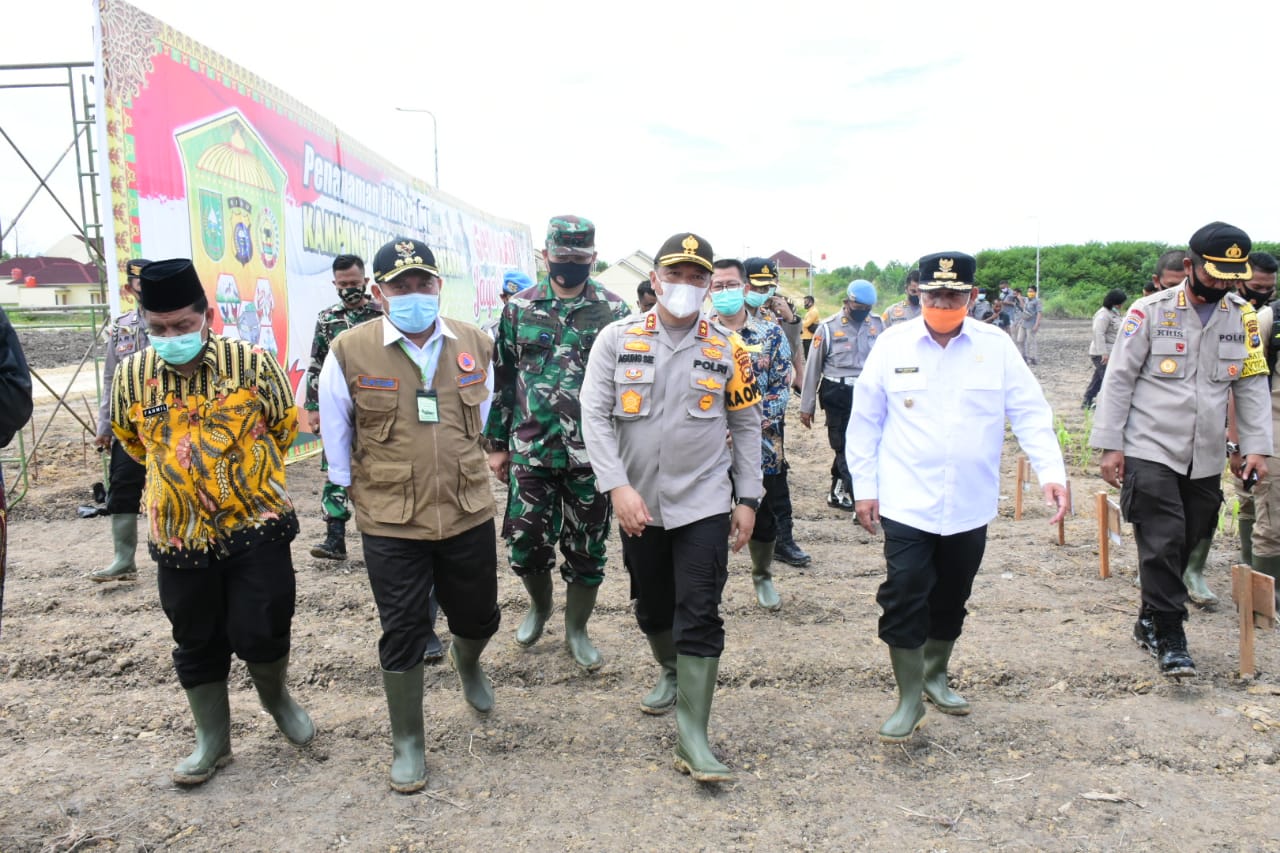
<point x="76" y="79"/>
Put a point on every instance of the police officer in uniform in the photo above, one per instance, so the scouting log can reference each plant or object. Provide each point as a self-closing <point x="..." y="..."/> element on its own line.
<point x="840" y="348"/>
<point x="403" y="401"/>
<point x="535" y="435"/>
<point x="513" y="281"/>
<point x="907" y="309"/>
<point x="1159" y="423"/>
<point x="126" y="476"/>
<point x="661" y="391"/>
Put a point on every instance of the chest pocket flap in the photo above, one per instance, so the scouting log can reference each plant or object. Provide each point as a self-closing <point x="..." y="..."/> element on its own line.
<point x="376" y="413"/>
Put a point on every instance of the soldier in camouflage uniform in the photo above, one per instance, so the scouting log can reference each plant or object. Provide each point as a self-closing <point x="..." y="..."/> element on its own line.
<point x="353" y="308"/>
<point x="763" y="303"/>
<point x="126" y="476"/>
<point x="535" y="434"/>
<point x="771" y="358"/>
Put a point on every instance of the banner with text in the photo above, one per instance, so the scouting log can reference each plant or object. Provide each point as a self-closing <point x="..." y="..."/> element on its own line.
<point x="207" y="161"/>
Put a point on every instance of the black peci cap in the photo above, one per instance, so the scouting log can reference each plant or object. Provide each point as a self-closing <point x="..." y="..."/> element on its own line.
<point x="170" y="285"/>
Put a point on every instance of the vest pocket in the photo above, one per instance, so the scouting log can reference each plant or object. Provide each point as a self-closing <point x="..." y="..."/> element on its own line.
<point x="375" y="413"/>
<point x="472" y="397"/>
<point x="473" y="484"/>
<point x="389" y="497"/>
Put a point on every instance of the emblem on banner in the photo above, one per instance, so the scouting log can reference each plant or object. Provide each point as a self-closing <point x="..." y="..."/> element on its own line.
<point x="212" y="233"/>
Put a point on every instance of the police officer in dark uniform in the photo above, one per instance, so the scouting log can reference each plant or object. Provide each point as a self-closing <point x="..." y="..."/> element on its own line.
<point x="126" y="476"/>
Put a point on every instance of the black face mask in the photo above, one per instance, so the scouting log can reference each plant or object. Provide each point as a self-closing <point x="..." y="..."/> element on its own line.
<point x="1259" y="298"/>
<point x="1204" y="291"/>
<point x="913" y="298"/>
<point x="857" y="316"/>
<point x="573" y="274"/>
<point x="352" y="296"/>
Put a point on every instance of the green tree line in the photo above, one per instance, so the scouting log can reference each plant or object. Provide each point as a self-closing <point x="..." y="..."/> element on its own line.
<point x="1073" y="278"/>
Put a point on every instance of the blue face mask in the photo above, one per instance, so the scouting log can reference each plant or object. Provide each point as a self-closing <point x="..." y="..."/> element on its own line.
<point x="179" y="349"/>
<point x="728" y="302"/>
<point x="755" y="300"/>
<point x="413" y="312"/>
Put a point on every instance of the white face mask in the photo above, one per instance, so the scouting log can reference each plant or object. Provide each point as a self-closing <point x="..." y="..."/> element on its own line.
<point x="682" y="300"/>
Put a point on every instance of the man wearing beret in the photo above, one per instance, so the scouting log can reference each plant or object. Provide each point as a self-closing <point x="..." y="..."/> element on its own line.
<point x="662" y="390"/>
<point x="840" y="349"/>
<point x="1159" y="423"/>
<point x="535" y="435"/>
<point x="928" y="417"/>
<point x="352" y="308"/>
<point x="125" y="476"/>
<point x="403" y="402"/>
<point x="513" y="281"/>
<point x="211" y="419"/>
<point x="766" y="305"/>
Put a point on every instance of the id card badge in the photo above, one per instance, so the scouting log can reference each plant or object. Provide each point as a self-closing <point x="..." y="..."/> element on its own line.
<point x="428" y="407"/>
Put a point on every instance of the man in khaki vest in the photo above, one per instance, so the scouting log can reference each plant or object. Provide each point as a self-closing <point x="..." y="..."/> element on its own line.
<point x="403" y="401"/>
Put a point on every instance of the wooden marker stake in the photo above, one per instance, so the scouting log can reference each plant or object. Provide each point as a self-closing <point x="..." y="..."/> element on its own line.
<point x="1104" y="541"/>
<point x="1022" y="480"/>
<point x="1242" y="592"/>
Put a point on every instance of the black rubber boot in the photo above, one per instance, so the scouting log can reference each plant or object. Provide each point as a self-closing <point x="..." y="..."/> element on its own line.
<point x="785" y="548"/>
<point x="1144" y="633"/>
<point x="334" y="546"/>
<point x="1175" y="660"/>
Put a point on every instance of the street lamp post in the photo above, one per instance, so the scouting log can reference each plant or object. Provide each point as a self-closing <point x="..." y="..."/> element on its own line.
<point x="435" y="138"/>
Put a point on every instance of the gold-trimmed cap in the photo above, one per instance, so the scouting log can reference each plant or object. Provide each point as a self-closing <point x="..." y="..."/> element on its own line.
<point x="761" y="269"/>
<point x="947" y="271"/>
<point x="400" y="255"/>
<point x="134" y="267"/>
<point x="685" y="248"/>
<point x="1225" y="250"/>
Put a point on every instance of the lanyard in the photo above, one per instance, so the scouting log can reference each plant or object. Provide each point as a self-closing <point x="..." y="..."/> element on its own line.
<point x="432" y="348"/>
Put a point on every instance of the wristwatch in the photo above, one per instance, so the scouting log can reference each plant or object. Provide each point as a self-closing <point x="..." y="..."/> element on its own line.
<point x="1232" y="447"/>
<point x="754" y="503"/>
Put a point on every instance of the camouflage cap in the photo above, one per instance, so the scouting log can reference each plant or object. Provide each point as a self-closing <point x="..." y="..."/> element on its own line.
<point x="571" y="238"/>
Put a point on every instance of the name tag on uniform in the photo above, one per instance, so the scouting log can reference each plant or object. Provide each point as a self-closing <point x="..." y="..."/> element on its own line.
<point x="155" y="410"/>
<point x="428" y="407"/>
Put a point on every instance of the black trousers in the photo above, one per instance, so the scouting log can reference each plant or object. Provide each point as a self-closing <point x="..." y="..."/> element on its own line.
<point x="929" y="580"/>
<point x="677" y="578"/>
<point x="1170" y="513"/>
<point x="775" y="491"/>
<point x="464" y="570"/>
<point x="1095" y="384"/>
<point x="837" y="402"/>
<point x="242" y="604"/>
<point x="127" y="477"/>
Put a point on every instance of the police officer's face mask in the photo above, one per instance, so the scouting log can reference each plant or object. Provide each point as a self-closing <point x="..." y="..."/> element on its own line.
<point x="1204" y="291"/>
<point x="1258" y="298"/>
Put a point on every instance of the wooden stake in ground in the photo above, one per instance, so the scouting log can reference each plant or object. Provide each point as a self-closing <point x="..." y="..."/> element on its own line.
<point x="1108" y="512"/>
<point x="1062" y="522"/>
<point x="1255" y="596"/>
<point x="1019" y="488"/>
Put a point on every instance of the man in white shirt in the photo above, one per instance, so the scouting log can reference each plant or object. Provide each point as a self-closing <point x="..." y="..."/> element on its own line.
<point x="924" y="443"/>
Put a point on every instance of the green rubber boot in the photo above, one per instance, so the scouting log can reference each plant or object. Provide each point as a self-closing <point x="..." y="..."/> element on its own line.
<point x="540" y="588"/>
<point x="1246" y="541"/>
<point x="937" y="654"/>
<point x="662" y="698"/>
<point x="408" y="741"/>
<point x="1269" y="566"/>
<point x="579" y="602"/>
<point x="270" y="681"/>
<point x="908" y="671"/>
<point x="762" y="574"/>
<point x="464" y="657"/>
<point x="211" y="709"/>
<point x="1193" y="575"/>
<point x="124" y="538"/>
<point x="695" y="685"/>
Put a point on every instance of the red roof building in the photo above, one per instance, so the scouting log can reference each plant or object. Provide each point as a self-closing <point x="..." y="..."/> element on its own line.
<point x="789" y="266"/>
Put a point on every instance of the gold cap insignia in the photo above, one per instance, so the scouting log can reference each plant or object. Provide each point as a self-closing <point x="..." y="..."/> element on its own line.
<point x="405" y="249"/>
<point x="1235" y="252"/>
<point x="765" y="269"/>
<point x="690" y="245"/>
<point x="945" y="268"/>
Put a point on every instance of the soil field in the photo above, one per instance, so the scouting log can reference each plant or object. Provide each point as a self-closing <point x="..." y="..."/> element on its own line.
<point x="1075" y="742"/>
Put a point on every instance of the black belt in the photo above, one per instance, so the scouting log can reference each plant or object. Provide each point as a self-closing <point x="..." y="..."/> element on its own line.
<point x="841" y="380"/>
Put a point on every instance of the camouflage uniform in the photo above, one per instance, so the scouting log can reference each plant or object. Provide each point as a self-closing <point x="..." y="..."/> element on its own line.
<point x="540" y="356"/>
<point x="331" y="322"/>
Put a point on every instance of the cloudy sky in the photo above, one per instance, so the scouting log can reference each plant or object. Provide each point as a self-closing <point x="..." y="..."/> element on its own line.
<point x="866" y="131"/>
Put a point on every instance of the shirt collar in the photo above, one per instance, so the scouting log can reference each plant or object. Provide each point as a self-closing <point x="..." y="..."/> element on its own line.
<point x="390" y="334"/>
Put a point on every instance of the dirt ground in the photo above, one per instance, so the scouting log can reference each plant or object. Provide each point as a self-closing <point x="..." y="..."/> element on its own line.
<point x="1075" y="741"/>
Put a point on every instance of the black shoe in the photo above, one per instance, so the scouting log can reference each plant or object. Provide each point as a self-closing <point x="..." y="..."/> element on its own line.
<point x="790" y="553"/>
<point x="839" y="498"/>
<point x="1144" y="634"/>
<point x="1171" y="641"/>
<point x="334" y="546"/>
